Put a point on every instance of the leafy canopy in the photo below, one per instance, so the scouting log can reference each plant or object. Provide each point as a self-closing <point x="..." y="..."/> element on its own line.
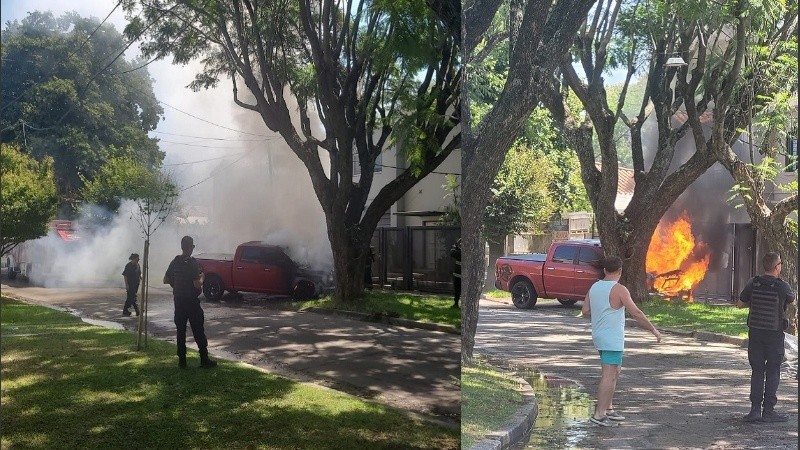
<point x="74" y="98"/>
<point x="29" y="197"/>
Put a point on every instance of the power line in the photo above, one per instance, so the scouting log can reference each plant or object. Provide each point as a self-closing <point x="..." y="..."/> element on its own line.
<point x="203" y="160"/>
<point x="212" y="123"/>
<point x="211" y="138"/>
<point x="217" y="172"/>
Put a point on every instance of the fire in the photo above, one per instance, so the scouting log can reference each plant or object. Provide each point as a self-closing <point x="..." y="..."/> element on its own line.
<point x="675" y="260"/>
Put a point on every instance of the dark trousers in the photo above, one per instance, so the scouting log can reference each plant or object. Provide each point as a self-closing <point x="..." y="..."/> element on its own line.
<point x="188" y="309"/>
<point x="131" y="299"/>
<point x="456" y="290"/>
<point x="765" y="353"/>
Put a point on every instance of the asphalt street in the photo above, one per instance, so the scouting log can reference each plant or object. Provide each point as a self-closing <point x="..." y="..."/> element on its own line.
<point x="410" y="369"/>
<point x="680" y="394"/>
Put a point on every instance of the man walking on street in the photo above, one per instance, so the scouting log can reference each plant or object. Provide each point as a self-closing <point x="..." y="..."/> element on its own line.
<point x="606" y="303"/>
<point x="185" y="277"/>
<point x="767" y="297"/>
<point x="132" y="274"/>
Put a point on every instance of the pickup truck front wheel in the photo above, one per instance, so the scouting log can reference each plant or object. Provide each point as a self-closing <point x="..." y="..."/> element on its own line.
<point x="523" y="295"/>
<point x="567" y="302"/>
<point x="213" y="288"/>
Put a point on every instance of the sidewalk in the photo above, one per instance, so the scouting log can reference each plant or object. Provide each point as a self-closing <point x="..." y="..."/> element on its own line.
<point x="687" y="392"/>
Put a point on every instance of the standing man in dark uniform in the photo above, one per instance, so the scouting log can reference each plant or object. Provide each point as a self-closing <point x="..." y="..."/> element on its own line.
<point x="132" y="274"/>
<point x="767" y="297"/>
<point x="185" y="277"/>
<point x="455" y="253"/>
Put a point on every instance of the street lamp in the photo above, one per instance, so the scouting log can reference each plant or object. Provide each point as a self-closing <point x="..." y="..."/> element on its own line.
<point x="675" y="61"/>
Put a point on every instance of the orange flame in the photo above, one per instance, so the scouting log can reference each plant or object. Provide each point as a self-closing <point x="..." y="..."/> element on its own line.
<point x="675" y="260"/>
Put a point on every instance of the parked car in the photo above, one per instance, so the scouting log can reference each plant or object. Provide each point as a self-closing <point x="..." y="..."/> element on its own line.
<point x="565" y="272"/>
<point x="263" y="268"/>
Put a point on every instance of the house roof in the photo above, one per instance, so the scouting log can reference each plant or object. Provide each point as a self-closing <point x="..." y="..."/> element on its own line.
<point x="625" y="180"/>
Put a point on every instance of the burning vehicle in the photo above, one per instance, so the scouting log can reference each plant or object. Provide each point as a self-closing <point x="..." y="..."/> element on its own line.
<point x="676" y="261"/>
<point x="36" y="258"/>
<point x="263" y="268"/>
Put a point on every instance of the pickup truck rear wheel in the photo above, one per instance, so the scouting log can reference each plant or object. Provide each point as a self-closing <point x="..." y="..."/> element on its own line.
<point x="523" y="294"/>
<point x="567" y="302"/>
<point x="213" y="288"/>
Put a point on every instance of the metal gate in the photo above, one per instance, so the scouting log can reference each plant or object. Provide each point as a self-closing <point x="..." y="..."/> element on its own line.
<point x="414" y="258"/>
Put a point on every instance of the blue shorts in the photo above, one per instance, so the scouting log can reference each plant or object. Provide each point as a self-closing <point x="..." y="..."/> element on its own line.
<point x="610" y="357"/>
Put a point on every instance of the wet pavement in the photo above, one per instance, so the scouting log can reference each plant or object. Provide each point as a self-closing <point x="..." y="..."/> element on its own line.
<point x="683" y="393"/>
<point x="409" y="369"/>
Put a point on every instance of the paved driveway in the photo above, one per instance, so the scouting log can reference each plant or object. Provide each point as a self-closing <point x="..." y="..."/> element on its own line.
<point x="680" y="394"/>
<point x="414" y="370"/>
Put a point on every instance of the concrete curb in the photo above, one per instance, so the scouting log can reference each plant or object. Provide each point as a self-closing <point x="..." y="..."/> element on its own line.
<point x="517" y="426"/>
<point x="382" y="318"/>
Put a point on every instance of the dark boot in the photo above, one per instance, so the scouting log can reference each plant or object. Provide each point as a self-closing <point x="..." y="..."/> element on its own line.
<point x="772" y="416"/>
<point x="754" y="415"/>
<point x="182" y="361"/>
<point x="136" y="308"/>
<point x="205" y="361"/>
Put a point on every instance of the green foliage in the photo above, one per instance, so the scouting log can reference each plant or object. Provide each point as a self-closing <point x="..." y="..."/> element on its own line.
<point x="452" y="212"/>
<point x="63" y="97"/>
<point x="520" y="196"/>
<point x="119" y="178"/>
<point x="29" y="196"/>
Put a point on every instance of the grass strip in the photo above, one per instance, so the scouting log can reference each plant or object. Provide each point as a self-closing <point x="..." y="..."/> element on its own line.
<point x="489" y="398"/>
<point x="86" y="387"/>
<point x="423" y="308"/>
<point x="724" y="319"/>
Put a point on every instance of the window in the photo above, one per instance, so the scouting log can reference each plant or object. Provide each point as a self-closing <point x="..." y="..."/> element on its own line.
<point x="251" y="254"/>
<point x="357" y="165"/>
<point x="589" y="256"/>
<point x="565" y="254"/>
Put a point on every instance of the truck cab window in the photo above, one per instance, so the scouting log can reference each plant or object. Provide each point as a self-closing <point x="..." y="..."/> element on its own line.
<point x="251" y="254"/>
<point x="565" y="254"/>
<point x="589" y="257"/>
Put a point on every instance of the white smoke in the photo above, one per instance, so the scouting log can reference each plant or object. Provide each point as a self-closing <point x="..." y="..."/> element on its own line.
<point x="248" y="183"/>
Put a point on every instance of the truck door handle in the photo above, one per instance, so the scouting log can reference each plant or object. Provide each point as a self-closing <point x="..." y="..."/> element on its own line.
<point x="239" y="267"/>
<point x="550" y="268"/>
<point x="579" y="271"/>
<point x="267" y="270"/>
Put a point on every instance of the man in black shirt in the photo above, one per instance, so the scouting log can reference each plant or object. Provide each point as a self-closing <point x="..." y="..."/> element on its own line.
<point x="185" y="277"/>
<point x="132" y="274"/>
<point x="767" y="297"/>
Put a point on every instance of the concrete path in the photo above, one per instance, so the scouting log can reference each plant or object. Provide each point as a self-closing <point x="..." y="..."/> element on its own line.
<point x="410" y="369"/>
<point x="680" y="394"/>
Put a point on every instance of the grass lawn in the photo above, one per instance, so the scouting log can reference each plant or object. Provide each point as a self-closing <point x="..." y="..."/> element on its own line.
<point x="488" y="398"/>
<point x="66" y="384"/>
<point x="421" y="307"/>
<point x="497" y="293"/>
<point x="696" y="316"/>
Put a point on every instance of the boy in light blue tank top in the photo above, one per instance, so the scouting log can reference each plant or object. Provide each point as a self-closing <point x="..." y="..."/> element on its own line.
<point x="605" y="304"/>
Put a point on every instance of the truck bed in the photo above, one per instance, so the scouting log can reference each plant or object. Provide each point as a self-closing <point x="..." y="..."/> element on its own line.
<point x="215" y="256"/>
<point x="540" y="257"/>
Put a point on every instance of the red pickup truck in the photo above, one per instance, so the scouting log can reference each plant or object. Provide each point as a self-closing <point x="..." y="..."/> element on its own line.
<point x="565" y="273"/>
<point x="260" y="267"/>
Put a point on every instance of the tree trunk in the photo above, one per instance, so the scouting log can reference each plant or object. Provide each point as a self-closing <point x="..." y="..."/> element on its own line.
<point x="496" y="250"/>
<point x="141" y="337"/>
<point x="350" y="251"/>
